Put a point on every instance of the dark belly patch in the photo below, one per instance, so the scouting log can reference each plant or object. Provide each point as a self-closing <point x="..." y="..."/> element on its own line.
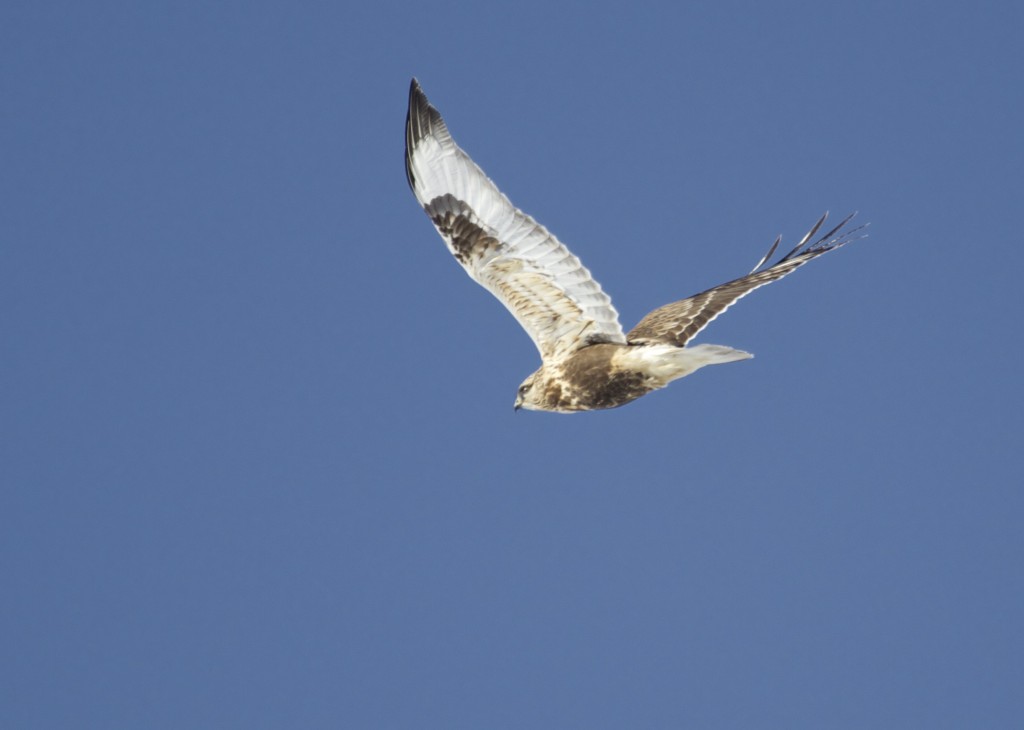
<point x="592" y="382"/>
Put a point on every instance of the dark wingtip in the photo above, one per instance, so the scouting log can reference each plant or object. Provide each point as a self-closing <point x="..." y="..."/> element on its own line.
<point x="775" y="245"/>
<point x="809" y="235"/>
<point x="415" y="93"/>
<point x="421" y="120"/>
<point x="417" y="100"/>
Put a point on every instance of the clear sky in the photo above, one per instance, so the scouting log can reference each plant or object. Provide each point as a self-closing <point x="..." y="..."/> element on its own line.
<point x="259" y="463"/>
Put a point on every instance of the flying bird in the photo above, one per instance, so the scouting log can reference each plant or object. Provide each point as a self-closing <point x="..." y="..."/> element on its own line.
<point x="587" y="362"/>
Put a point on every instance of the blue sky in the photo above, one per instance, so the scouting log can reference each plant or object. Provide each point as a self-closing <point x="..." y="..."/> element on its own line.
<point x="260" y="465"/>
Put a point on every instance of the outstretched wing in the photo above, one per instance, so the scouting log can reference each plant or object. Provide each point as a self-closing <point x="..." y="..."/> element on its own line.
<point x="537" y="278"/>
<point x="678" y="322"/>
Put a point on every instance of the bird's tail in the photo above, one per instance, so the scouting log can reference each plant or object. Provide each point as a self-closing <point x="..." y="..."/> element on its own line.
<point x="691" y="359"/>
<point x="701" y="355"/>
<point x="667" y="362"/>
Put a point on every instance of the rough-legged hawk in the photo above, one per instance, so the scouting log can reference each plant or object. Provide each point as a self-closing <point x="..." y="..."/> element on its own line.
<point x="588" y="363"/>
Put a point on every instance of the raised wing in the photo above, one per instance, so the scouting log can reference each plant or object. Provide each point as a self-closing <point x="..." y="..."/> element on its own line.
<point x="678" y="322"/>
<point x="537" y="278"/>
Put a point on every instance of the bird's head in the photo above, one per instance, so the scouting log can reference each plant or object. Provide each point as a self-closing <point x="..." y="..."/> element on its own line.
<point x="527" y="395"/>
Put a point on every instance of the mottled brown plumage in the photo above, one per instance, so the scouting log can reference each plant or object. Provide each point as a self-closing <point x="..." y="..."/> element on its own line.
<point x="591" y="378"/>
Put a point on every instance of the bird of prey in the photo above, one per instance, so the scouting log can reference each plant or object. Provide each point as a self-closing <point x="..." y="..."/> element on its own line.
<point x="587" y="362"/>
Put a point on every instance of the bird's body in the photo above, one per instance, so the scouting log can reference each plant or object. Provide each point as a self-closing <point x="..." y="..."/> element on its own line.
<point x="609" y="375"/>
<point x="588" y="362"/>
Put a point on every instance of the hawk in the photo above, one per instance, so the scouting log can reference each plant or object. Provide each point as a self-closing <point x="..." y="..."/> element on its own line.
<point x="587" y="362"/>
